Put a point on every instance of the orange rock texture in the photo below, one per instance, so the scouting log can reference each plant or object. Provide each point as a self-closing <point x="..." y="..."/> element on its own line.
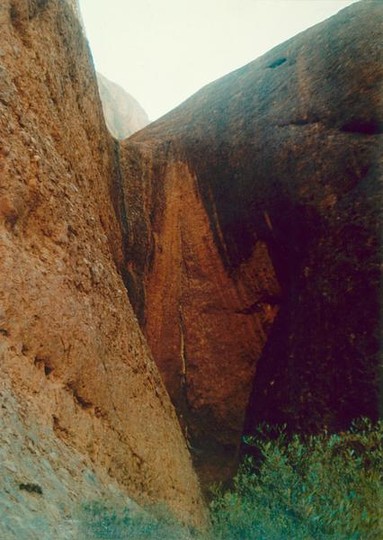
<point x="69" y="341"/>
<point x="252" y="235"/>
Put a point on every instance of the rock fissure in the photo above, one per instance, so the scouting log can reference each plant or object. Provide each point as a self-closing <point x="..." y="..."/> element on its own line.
<point x="301" y="122"/>
<point x="182" y="352"/>
<point x="277" y="63"/>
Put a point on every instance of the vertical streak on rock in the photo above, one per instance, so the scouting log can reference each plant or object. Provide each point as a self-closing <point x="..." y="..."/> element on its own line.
<point x="182" y="352"/>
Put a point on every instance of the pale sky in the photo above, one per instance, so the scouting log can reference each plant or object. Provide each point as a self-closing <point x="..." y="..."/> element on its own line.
<point x="163" y="51"/>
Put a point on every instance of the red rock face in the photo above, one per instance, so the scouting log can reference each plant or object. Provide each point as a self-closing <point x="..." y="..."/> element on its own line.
<point x="70" y="345"/>
<point x="206" y="328"/>
<point x="252" y="238"/>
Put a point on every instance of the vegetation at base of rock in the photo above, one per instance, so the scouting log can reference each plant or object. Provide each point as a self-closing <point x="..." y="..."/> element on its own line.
<point x="101" y="522"/>
<point x="318" y="487"/>
<point x="314" y="487"/>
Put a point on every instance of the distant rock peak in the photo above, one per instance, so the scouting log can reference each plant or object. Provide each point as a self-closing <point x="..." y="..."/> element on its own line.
<point x="123" y="114"/>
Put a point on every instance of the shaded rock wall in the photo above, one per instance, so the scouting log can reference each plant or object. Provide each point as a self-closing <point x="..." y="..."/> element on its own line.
<point x="123" y="114"/>
<point x="254" y="231"/>
<point x="206" y="327"/>
<point x="69" y="341"/>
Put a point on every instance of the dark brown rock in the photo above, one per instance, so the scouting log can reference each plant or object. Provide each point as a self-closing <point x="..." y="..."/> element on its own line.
<point x="253" y="234"/>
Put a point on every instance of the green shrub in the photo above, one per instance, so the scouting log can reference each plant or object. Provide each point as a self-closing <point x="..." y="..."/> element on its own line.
<point x="321" y="487"/>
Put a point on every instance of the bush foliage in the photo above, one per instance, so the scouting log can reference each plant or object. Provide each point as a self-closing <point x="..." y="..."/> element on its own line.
<point x="318" y="487"/>
<point x="321" y="487"/>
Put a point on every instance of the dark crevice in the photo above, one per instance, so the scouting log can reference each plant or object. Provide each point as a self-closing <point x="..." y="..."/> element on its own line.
<point x="42" y="362"/>
<point x="300" y="122"/>
<point x="31" y="488"/>
<point x="118" y="198"/>
<point x="47" y="370"/>
<point x="82" y="402"/>
<point x="277" y="63"/>
<point x="134" y="288"/>
<point x="258" y="306"/>
<point x="59" y="430"/>
<point x="363" y="127"/>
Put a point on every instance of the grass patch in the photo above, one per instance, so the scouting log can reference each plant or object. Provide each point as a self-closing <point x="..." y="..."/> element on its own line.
<point x="323" y="487"/>
<point x="99" y="521"/>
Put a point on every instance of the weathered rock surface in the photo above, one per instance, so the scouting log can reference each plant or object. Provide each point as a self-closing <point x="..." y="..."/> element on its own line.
<point x="123" y="114"/>
<point x="71" y="350"/>
<point x="44" y="483"/>
<point x="252" y="238"/>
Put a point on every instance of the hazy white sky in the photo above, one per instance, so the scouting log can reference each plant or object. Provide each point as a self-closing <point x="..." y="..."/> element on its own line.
<point x="162" y="51"/>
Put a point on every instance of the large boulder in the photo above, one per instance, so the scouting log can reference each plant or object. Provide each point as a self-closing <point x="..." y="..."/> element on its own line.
<point x="252" y="239"/>
<point x="72" y="354"/>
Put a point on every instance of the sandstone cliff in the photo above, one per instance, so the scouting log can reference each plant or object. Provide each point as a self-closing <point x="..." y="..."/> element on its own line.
<point x="252" y="238"/>
<point x="72" y="355"/>
<point x="123" y="114"/>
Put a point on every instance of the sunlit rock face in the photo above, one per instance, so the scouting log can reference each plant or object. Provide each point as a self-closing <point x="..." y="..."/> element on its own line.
<point x="72" y="356"/>
<point x="252" y="239"/>
<point x="123" y="114"/>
